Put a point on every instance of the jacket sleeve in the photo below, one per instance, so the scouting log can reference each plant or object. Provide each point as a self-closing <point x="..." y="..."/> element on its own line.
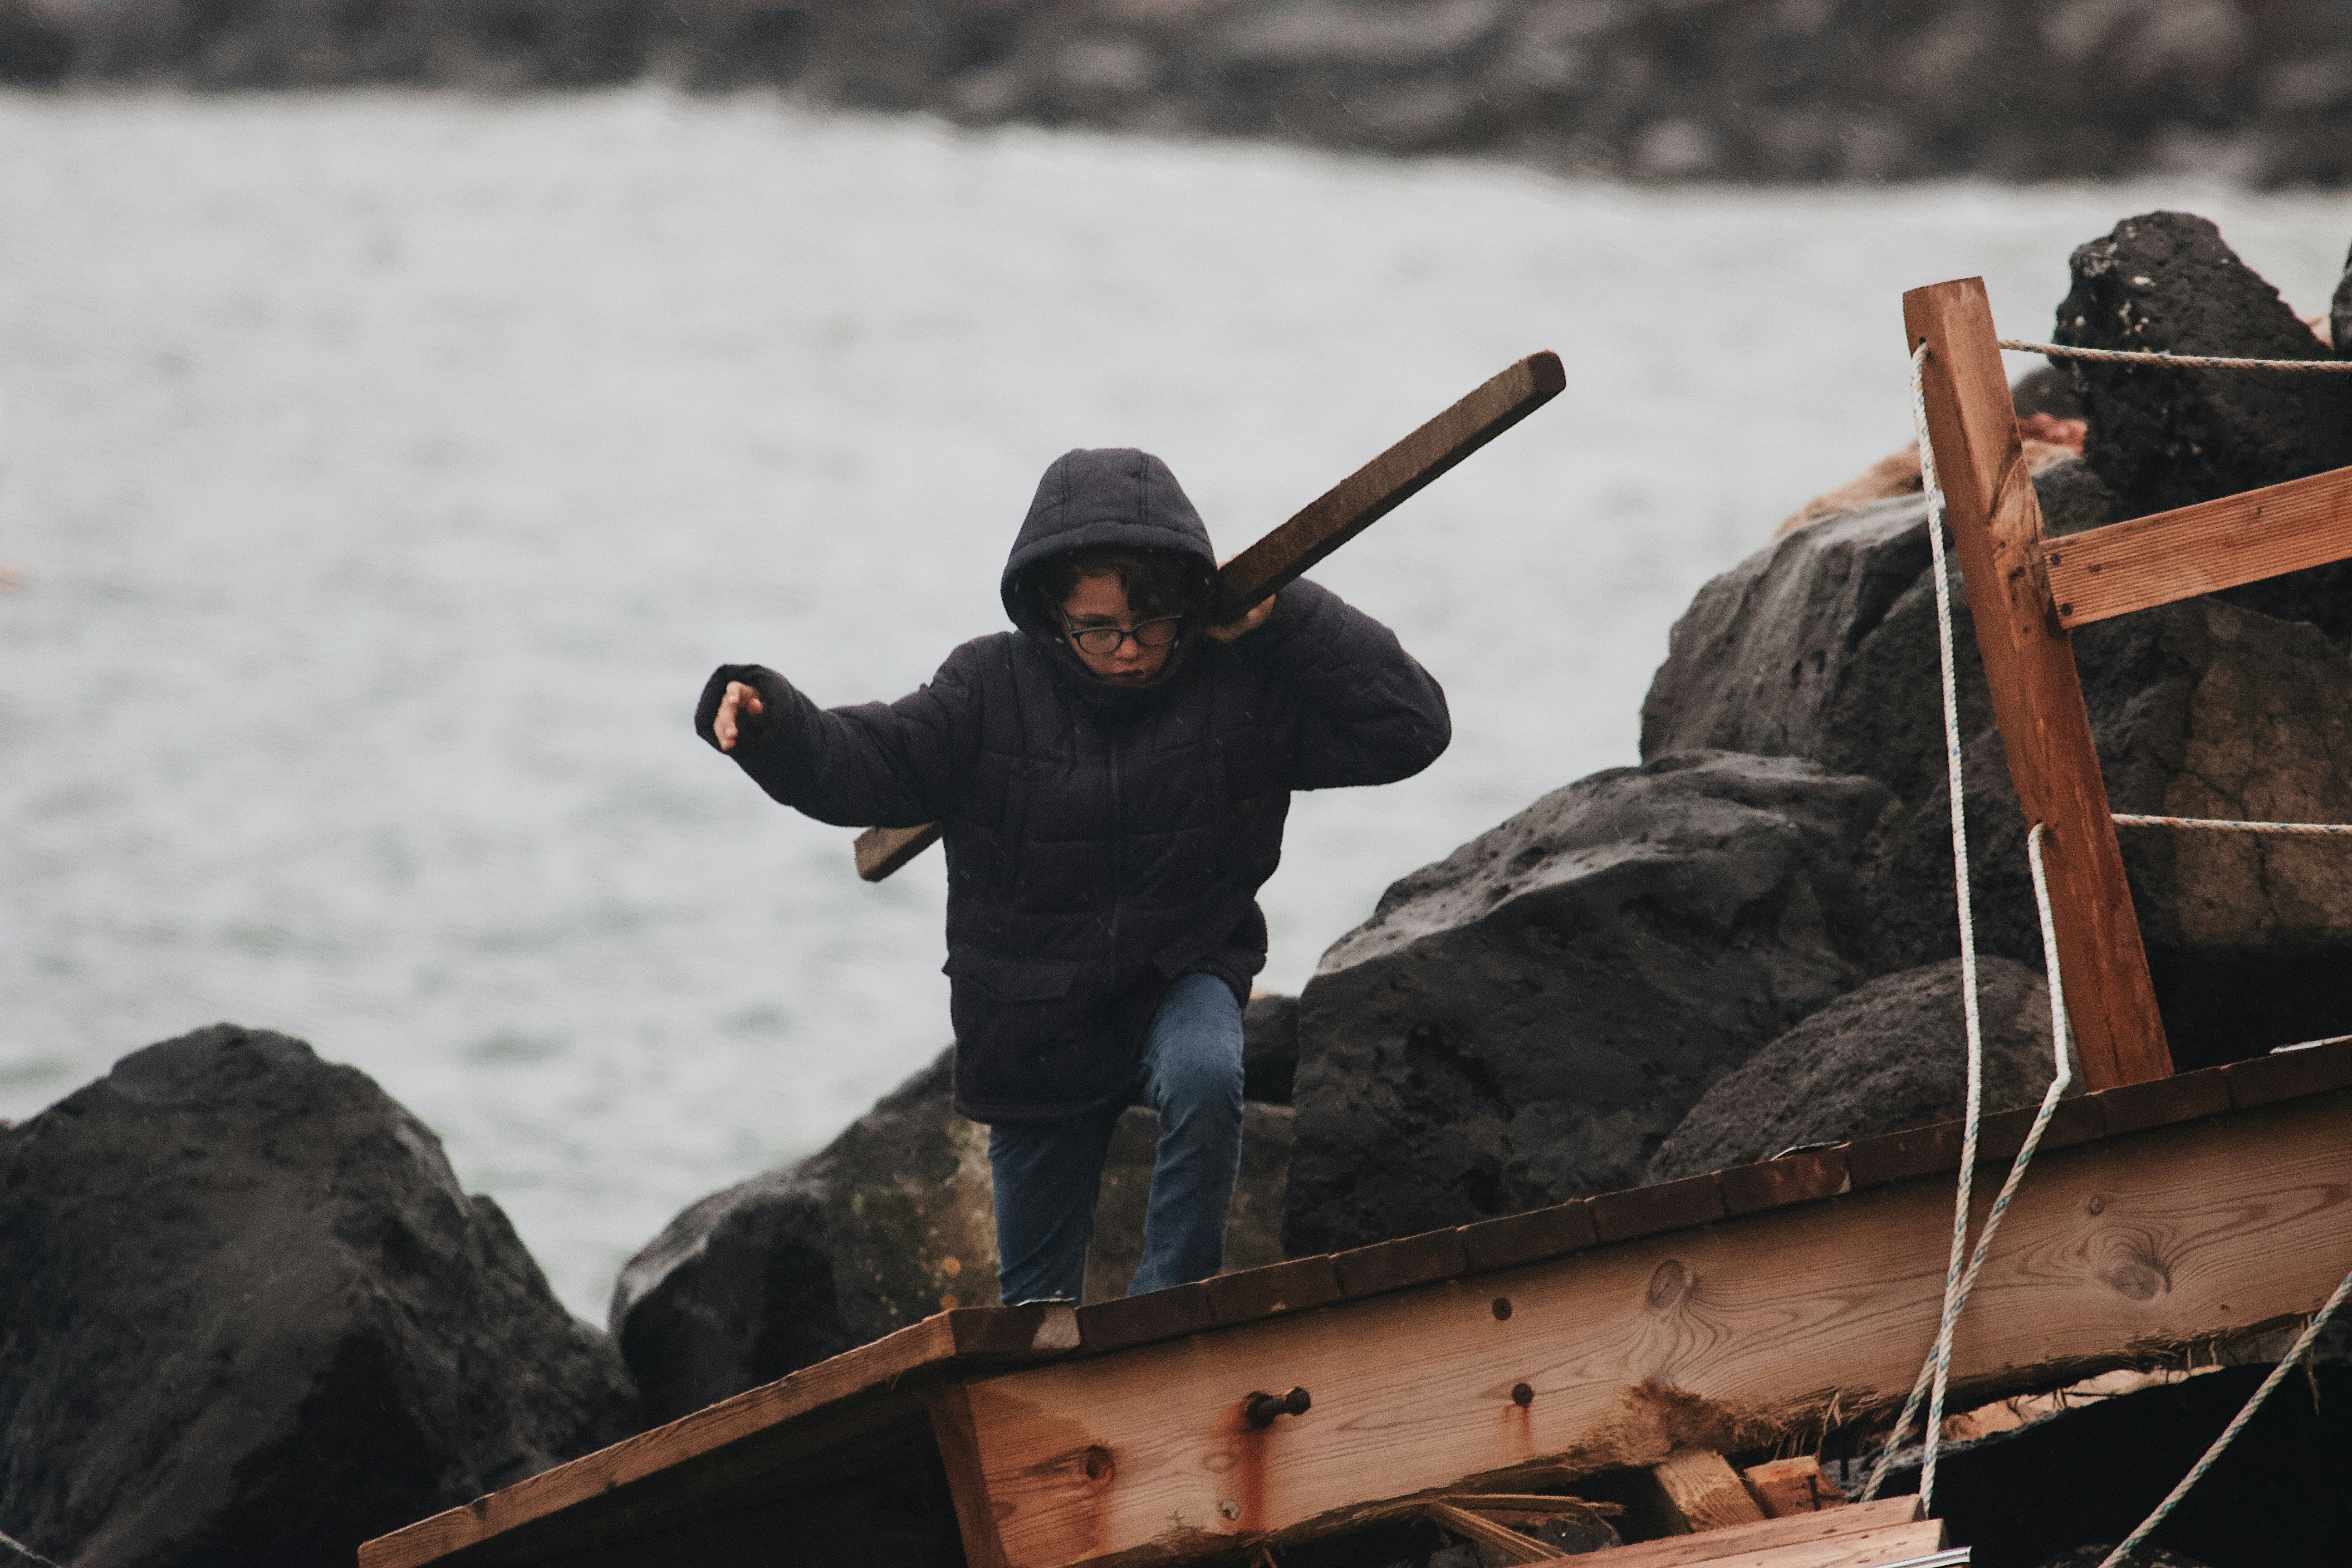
<point x="877" y="764"/>
<point x="1367" y="711"/>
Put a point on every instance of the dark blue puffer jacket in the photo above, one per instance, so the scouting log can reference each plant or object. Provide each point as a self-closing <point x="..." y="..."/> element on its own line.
<point x="1101" y="841"/>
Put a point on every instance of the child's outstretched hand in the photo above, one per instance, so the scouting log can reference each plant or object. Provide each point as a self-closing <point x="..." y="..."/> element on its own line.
<point x="740" y="699"/>
<point x="1254" y="617"/>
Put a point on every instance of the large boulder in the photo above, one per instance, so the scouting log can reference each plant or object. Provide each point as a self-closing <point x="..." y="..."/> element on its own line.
<point x="1892" y="1054"/>
<point x="2166" y="283"/>
<point x="892" y="1221"/>
<point x="1824" y="645"/>
<point x="1524" y="1020"/>
<point x="252" y="1317"/>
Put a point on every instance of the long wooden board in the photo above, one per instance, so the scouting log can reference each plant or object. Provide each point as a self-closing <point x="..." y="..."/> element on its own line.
<point x="1839" y="1525"/>
<point x="1318" y="529"/>
<point x="740" y="1443"/>
<point x="2037" y="695"/>
<point x="2202" y="549"/>
<point x="2114" y="1247"/>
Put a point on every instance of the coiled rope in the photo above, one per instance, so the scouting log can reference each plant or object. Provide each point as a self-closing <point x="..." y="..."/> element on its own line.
<point x="2182" y="361"/>
<point x="1958" y="1282"/>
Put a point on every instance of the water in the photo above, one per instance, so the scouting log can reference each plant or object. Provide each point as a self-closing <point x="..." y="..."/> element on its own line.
<point x="382" y="475"/>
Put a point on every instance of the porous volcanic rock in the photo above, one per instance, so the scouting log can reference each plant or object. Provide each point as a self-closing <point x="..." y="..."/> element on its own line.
<point x="1524" y="1020"/>
<point x="1269" y="1048"/>
<point x="1888" y="1055"/>
<point x="252" y="1317"/>
<point x="1824" y="645"/>
<point x="890" y="1222"/>
<point x="2167" y="282"/>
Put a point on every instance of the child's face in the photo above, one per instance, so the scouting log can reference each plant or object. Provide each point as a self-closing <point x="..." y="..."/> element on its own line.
<point x="1098" y="600"/>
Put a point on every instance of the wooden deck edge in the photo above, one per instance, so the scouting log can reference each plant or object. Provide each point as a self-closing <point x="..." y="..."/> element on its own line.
<point x="969" y="1339"/>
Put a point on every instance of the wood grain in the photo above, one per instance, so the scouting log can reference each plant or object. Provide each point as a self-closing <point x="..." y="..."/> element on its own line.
<point x="2202" y="549"/>
<point x="2037" y="695"/>
<point x="791" y="1430"/>
<point x="1815" y="1531"/>
<point x="1705" y="1490"/>
<point x="1870" y="1549"/>
<point x="1318" y="529"/>
<point x="1760" y="1323"/>
<point x="1787" y="1486"/>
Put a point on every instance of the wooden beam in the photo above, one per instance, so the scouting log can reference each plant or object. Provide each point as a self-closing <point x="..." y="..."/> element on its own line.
<point x="1705" y="1490"/>
<point x="2037" y="696"/>
<point x="1320" y="527"/>
<point x="1786" y="1487"/>
<point x="2202" y="549"/>
<point x="1730" y="1334"/>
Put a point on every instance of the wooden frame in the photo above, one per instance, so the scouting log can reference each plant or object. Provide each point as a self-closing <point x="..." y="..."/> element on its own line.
<point x="2026" y="592"/>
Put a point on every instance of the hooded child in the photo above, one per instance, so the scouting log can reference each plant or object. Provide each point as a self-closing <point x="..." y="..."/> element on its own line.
<point x="1111" y="776"/>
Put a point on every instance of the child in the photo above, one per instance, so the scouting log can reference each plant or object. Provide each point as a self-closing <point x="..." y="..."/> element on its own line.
<point x="1112" y="778"/>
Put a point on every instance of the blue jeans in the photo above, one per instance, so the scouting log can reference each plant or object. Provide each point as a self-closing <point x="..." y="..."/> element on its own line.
<point x="1048" y="1173"/>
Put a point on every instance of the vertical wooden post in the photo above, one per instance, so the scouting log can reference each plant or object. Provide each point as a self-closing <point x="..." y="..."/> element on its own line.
<point x="2037" y="696"/>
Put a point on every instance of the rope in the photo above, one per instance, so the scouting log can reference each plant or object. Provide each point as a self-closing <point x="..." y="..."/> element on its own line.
<point x="2223" y="824"/>
<point x="1939" y="1363"/>
<point x="2062" y="1041"/>
<point x="2196" y="1473"/>
<point x="2184" y="362"/>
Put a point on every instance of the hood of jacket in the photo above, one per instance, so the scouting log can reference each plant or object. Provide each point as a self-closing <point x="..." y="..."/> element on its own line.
<point x="1108" y="496"/>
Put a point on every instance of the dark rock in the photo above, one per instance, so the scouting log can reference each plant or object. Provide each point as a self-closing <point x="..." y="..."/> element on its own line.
<point x="252" y="1317"/>
<point x="2090" y="1474"/>
<point x="2073" y="498"/>
<point x="1269" y="1048"/>
<point x="1820" y="645"/>
<point x="1524" y="1021"/>
<point x="33" y="52"/>
<point x="890" y="1222"/>
<point x="1889" y="1056"/>
<point x="2049" y="390"/>
<point x="2161" y="437"/>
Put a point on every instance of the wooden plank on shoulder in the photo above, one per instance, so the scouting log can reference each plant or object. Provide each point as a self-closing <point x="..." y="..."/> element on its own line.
<point x="2037" y="696"/>
<point x="2202" y="549"/>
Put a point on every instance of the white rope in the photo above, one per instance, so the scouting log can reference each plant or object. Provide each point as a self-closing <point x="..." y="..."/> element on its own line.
<point x="2224" y="825"/>
<point x="2185" y="362"/>
<point x="2196" y="1473"/>
<point x="1940" y="1361"/>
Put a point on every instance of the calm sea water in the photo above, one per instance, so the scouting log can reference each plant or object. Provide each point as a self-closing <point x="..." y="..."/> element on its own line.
<point x="382" y="475"/>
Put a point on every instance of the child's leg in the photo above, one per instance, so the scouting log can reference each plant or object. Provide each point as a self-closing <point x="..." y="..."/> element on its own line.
<point x="1048" y="1174"/>
<point x="1192" y="1078"/>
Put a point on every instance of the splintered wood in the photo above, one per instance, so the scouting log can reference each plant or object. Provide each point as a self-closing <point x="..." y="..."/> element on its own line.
<point x="1787" y="1486"/>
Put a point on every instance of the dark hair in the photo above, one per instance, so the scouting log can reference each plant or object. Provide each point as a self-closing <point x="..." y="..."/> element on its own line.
<point x="1156" y="582"/>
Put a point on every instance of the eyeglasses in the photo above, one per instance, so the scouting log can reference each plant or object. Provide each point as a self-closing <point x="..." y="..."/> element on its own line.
<point x="1099" y="640"/>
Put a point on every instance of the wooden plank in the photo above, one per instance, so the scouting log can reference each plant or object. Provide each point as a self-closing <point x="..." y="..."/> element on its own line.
<point x="743" y="1444"/>
<point x="1872" y="1549"/>
<point x="1387" y="482"/>
<point x="2037" y="696"/>
<point x="1320" y="527"/>
<point x="1731" y="1335"/>
<point x="880" y="851"/>
<point x="1496" y="1542"/>
<point x="1814" y="1531"/>
<point x="1705" y="1490"/>
<point x="1786" y="1487"/>
<point x="2202" y="549"/>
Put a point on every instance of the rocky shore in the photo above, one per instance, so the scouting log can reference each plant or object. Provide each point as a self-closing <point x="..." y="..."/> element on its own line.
<point x="252" y="1314"/>
<point x="1649" y="89"/>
